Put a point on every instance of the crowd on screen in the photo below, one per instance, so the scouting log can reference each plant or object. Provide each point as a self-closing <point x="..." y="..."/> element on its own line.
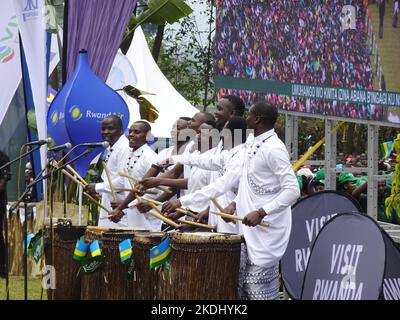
<point x="302" y="42"/>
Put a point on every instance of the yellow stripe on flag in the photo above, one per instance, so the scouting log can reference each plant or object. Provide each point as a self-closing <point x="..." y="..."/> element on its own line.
<point x="161" y="256"/>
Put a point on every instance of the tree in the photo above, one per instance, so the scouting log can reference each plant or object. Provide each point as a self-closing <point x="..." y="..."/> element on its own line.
<point x="186" y="55"/>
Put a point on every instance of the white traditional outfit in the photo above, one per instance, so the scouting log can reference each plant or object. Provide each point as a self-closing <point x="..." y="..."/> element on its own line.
<point x="137" y="163"/>
<point x="267" y="181"/>
<point x="217" y="164"/>
<point x="112" y="156"/>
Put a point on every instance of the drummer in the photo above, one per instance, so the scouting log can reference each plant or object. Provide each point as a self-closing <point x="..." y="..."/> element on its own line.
<point x="178" y="147"/>
<point x="198" y="178"/>
<point x="137" y="163"/>
<point x="267" y="189"/>
<point x="112" y="132"/>
<point x="218" y="164"/>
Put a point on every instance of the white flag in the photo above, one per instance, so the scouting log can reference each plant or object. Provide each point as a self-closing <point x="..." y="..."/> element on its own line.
<point x="10" y="62"/>
<point x="32" y="27"/>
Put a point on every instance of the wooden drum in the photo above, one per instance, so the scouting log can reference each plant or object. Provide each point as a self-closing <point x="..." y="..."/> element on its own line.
<point x="147" y="280"/>
<point x="113" y="283"/>
<point x="203" y="266"/>
<point x="68" y="283"/>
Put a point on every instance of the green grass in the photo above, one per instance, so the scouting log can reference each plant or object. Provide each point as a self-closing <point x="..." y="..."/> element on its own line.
<point x="388" y="46"/>
<point x="16" y="288"/>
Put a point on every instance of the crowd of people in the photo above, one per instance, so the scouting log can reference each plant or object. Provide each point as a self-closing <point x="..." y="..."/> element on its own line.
<point x="312" y="179"/>
<point x="296" y="42"/>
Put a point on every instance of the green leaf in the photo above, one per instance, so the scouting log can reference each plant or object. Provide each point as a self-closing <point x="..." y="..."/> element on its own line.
<point x="31" y="116"/>
<point x="162" y="11"/>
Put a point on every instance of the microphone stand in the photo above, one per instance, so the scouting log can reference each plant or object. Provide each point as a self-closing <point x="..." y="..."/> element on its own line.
<point x="9" y="215"/>
<point x="20" y="157"/>
<point x="23" y="197"/>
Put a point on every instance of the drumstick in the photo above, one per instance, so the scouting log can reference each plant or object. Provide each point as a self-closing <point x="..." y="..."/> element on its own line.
<point x="165" y="219"/>
<point x="159" y="213"/>
<point x="181" y="210"/>
<point x="232" y="217"/>
<point x="217" y="204"/>
<point x="196" y="224"/>
<point x="135" y="190"/>
<point x="129" y="180"/>
<point x="123" y="174"/>
<point x="85" y="183"/>
<point x="109" y="181"/>
<point x="85" y="193"/>
<point x="72" y="177"/>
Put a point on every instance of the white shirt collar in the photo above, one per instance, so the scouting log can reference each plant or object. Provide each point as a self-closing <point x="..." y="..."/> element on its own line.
<point x="118" y="143"/>
<point x="264" y="136"/>
<point x="139" y="150"/>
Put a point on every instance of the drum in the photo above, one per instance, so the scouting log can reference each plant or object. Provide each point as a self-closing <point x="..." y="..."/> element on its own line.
<point x="68" y="283"/>
<point x="146" y="284"/>
<point x="113" y="283"/>
<point x="203" y="266"/>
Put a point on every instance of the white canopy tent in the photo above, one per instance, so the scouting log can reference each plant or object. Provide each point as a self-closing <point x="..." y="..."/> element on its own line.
<point x="139" y="69"/>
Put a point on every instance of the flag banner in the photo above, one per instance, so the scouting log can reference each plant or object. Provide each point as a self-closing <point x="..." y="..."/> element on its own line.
<point x="32" y="28"/>
<point x="101" y="42"/>
<point x="37" y="249"/>
<point x="90" y="265"/>
<point x="95" y="248"/>
<point x="344" y="264"/>
<point x="391" y="281"/>
<point x="160" y="255"/>
<point x="125" y="250"/>
<point x="10" y="60"/>
<point x="386" y="149"/>
<point x="36" y="246"/>
<point x="80" y="250"/>
<point x="308" y="217"/>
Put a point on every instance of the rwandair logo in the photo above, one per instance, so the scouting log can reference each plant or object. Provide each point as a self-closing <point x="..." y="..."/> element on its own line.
<point x="76" y="113"/>
<point x="54" y="118"/>
<point x="6" y="54"/>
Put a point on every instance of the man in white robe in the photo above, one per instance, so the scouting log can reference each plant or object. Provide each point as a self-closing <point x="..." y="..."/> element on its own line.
<point x="117" y="151"/>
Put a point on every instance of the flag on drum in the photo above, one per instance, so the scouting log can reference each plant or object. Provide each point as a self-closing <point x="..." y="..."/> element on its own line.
<point x="159" y="255"/>
<point x="125" y="250"/>
<point x="80" y="250"/>
<point x="95" y="248"/>
<point x="28" y="241"/>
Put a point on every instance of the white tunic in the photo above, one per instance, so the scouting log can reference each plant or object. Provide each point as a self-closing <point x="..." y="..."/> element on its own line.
<point x="138" y="163"/>
<point x="116" y="155"/>
<point x="267" y="182"/>
<point x="218" y="163"/>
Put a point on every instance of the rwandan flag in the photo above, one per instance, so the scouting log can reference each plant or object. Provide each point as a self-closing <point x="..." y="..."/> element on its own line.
<point x="386" y="149"/>
<point x="160" y="254"/>
<point x="95" y="248"/>
<point x="125" y="250"/>
<point x="28" y="241"/>
<point x="80" y="250"/>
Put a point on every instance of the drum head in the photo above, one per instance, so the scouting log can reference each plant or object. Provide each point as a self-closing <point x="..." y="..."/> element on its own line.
<point x="308" y="217"/>
<point x="205" y="236"/>
<point x="344" y="264"/>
